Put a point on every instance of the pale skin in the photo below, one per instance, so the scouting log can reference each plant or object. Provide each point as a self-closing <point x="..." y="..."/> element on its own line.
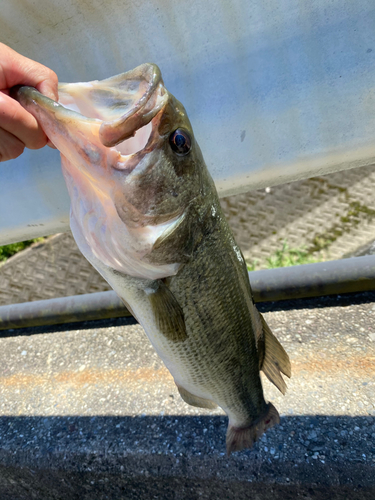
<point x="18" y="128"/>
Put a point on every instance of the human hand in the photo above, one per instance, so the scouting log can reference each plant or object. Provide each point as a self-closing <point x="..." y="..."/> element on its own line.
<point x="18" y="128"/>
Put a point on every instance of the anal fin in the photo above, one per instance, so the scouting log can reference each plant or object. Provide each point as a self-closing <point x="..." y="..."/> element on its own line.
<point x="273" y="360"/>
<point x="192" y="400"/>
<point x="168" y="313"/>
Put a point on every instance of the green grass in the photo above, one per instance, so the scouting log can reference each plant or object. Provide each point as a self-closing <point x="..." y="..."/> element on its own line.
<point x="285" y="257"/>
<point x="7" y="251"/>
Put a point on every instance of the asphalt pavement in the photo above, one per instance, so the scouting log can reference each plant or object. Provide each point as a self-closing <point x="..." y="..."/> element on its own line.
<point x="88" y="411"/>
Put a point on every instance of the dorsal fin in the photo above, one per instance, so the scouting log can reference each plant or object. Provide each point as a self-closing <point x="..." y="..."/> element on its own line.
<point x="273" y="360"/>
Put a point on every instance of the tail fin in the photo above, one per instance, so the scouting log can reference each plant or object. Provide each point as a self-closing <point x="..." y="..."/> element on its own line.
<point x="240" y="438"/>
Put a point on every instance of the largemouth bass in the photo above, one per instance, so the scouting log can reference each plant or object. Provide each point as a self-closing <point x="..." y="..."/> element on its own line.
<point x="145" y="213"/>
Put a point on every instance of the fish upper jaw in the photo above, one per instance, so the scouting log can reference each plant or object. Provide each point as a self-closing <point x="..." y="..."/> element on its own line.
<point x="101" y="125"/>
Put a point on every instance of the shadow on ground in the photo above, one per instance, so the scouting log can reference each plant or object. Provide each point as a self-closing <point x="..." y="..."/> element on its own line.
<point x="175" y="457"/>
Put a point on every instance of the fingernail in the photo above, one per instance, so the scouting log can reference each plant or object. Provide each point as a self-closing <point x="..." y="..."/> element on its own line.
<point x="48" y="92"/>
<point x="51" y="95"/>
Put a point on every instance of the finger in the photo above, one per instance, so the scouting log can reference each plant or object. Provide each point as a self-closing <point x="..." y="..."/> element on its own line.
<point x="21" y="124"/>
<point x="10" y="146"/>
<point x="48" y="87"/>
<point x="19" y="70"/>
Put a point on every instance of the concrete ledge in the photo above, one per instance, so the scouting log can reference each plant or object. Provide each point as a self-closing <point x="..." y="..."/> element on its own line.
<point x="91" y="413"/>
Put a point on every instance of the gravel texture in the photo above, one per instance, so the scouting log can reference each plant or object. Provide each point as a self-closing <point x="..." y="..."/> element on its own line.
<point x="89" y="411"/>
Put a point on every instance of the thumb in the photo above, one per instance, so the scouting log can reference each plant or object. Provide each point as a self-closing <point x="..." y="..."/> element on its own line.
<point x="19" y="70"/>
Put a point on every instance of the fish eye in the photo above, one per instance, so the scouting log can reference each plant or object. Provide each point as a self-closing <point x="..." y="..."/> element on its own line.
<point x="180" y="142"/>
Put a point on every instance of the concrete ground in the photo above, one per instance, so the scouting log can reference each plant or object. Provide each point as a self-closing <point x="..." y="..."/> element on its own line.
<point x="89" y="412"/>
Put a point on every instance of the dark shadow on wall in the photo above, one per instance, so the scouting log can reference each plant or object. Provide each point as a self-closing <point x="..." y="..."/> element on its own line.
<point x="343" y="300"/>
<point x="67" y="327"/>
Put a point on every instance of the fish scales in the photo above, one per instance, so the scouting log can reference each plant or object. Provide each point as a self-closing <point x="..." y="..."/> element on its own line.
<point x="219" y="328"/>
<point x="145" y="213"/>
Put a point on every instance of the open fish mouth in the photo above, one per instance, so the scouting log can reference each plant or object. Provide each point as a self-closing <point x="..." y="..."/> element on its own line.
<point x="114" y="113"/>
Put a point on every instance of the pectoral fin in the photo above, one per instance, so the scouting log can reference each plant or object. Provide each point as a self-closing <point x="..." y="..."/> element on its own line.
<point x="192" y="400"/>
<point x="273" y="360"/>
<point x="168" y="312"/>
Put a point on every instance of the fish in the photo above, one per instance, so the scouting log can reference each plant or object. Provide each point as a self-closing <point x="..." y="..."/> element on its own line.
<point x="145" y="213"/>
